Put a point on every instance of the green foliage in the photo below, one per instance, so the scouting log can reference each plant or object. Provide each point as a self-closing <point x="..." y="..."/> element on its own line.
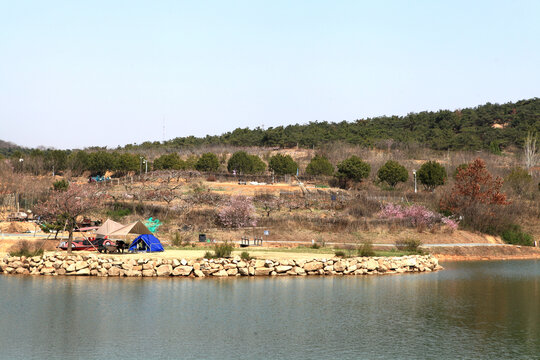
<point x="519" y="180"/>
<point x="320" y="165"/>
<point x="514" y="235"/>
<point x="411" y="245"/>
<point x="282" y="164"/>
<point x="465" y="129"/>
<point x="431" y="175"/>
<point x="207" y="162"/>
<point x="366" y="249"/>
<point x="127" y="162"/>
<point x="223" y="250"/>
<point x="392" y="172"/>
<point x="60" y="185"/>
<point x="245" y="256"/>
<point x="353" y="169"/>
<point x="119" y="212"/>
<point x="101" y="161"/>
<point x="169" y="161"/>
<point x="209" y="255"/>
<point x="244" y="163"/>
<point x="315" y="246"/>
<point x="495" y="147"/>
<point x="340" y="253"/>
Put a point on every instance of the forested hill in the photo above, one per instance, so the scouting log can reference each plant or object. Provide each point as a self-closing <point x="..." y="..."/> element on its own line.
<point x="487" y="126"/>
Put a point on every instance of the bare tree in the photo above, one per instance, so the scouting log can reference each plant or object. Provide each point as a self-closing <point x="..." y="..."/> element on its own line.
<point x="531" y="153"/>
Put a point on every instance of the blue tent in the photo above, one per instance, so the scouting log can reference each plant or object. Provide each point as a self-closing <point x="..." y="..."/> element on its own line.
<point x="146" y="243"/>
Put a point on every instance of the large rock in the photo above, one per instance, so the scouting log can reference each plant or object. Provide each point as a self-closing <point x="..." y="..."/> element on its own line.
<point x="85" y="271"/>
<point x="283" y="268"/>
<point x="47" y="270"/>
<point x="243" y="271"/>
<point x="220" y="273"/>
<point x="313" y="266"/>
<point x="340" y="266"/>
<point x="79" y="265"/>
<point x="232" y="272"/>
<point x="182" y="271"/>
<point x="371" y="265"/>
<point x="263" y="271"/>
<point x="114" y="271"/>
<point x="299" y="271"/>
<point x="198" y="273"/>
<point x="164" y="270"/>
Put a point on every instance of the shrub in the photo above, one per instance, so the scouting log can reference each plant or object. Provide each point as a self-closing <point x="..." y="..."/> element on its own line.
<point x="417" y="216"/>
<point x="353" y="169"/>
<point x="514" y="235"/>
<point x="169" y="161"/>
<point x="283" y="165"/>
<point x="320" y="165"/>
<point x="24" y="248"/>
<point x="340" y="253"/>
<point x="60" y="185"/>
<point x="209" y="255"/>
<point x="366" y="249"/>
<point x="412" y="245"/>
<point x="244" y="163"/>
<point x="207" y="162"/>
<point x="245" y="256"/>
<point x="239" y="212"/>
<point x="223" y="250"/>
<point x="315" y="246"/>
<point x="392" y="172"/>
<point x="519" y="180"/>
<point x="431" y="174"/>
<point x="181" y="239"/>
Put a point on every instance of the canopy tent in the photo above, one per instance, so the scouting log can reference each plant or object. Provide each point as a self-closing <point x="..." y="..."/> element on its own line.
<point x="134" y="228"/>
<point x="146" y="243"/>
<point x="108" y="227"/>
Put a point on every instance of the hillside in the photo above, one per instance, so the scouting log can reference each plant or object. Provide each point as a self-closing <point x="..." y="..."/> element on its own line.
<point x="489" y="126"/>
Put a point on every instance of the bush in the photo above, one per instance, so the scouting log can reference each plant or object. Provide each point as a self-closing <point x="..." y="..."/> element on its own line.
<point x="238" y="213"/>
<point x="431" y="174"/>
<point x="514" y="235"/>
<point x="353" y="169"/>
<point x="320" y="165"/>
<point x="207" y="162"/>
<point x="519" y="180"/>
<point x="209" y="255"/>
<point x="412" y="245"/>
<point x="23" y="248"/>
<point x="315" y="246"/>
<point x="223" y="250"/>
<point x="245" y="256"/>
<point x="60" y="185"/>
<point x="244" y="163"/>
<point x="181" y="239"/>
<point x="392" y="172"/>
<point x="283" y="165"/>
<point x="340" y="253"/>
<point x="366" y="249"/>
<point x="169" y="161"/>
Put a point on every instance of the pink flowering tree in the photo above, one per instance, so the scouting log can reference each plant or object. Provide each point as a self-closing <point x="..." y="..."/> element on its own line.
<point x="66" y="205"/>
<point x="417" y="216"/>
<point x="238" y="212"/>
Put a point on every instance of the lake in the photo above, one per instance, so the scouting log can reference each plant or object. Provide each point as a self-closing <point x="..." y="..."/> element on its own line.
<point x="470" y="310"/>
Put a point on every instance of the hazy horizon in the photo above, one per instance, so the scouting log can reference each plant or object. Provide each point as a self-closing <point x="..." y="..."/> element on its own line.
<point x="75" y="74"/>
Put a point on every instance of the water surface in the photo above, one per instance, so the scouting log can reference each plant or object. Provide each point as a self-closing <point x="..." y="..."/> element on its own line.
<point x="476" y="310"/>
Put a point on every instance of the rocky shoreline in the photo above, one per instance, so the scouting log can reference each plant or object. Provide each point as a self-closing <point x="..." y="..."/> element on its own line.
<point x="94" y="265"/>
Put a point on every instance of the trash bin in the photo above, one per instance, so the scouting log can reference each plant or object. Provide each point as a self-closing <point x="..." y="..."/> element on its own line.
<point x="202" y="237"/>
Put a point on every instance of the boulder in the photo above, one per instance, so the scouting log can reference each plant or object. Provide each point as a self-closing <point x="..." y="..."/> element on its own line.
<point x="313" y="266"/>
<point x="164" y="270"/>
<point x="182" y="270"/>
<point x="220" y="273"/>
<point x="84" y="271"/>
<point x="232" y="272"/>
<point x="79" y="265"/>
<point x="148" y="273"/>
<point x="114" y="271"/>
<point x="283" y="268"/>
<point x="263" y="271"/>
<point x="198" y="273"/>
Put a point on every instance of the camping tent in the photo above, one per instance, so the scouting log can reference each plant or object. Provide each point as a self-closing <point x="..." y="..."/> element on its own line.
<point x="108" y="227"/>
<point x="146" y="243"/>
<point x="134" y="228"/>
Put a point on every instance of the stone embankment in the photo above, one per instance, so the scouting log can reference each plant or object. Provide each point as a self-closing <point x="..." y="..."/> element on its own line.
<point x="93" y="265"/>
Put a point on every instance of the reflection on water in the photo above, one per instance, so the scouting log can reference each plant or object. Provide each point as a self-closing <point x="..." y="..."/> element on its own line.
<point x="477" y="310"/>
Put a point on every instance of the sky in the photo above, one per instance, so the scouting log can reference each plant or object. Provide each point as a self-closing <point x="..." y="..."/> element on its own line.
<point x="75" y="74"/>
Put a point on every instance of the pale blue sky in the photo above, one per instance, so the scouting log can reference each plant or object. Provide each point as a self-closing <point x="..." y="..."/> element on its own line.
<point x="81" y="73"/>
